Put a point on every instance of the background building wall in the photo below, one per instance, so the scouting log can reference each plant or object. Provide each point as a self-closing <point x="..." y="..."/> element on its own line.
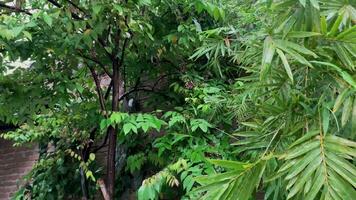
<point x="15" y="162"/>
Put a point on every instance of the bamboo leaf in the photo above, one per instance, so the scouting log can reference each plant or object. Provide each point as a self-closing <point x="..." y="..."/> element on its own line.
<point x="340" y="99"/>
<point x="325" y="119"/>
<point x="346" y="76"/>
<point x="346" y="112"/>
<point x="285" y="64"/>
<point x="295" y="46"/>
<point x="268" y="52"/>
<point x="302" y="34"/>
<point x="336" y="25"/>
<point x="306" y="137"/>
<point x="318" y="183"/>
<point x="315" y="4"/>
<point x="304" y="148"/>
<point x="229" y="164"/>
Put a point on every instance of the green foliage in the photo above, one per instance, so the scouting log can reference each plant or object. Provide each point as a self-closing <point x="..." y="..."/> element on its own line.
<point x="251" y="96"/>
<point x="232" y="183"/>
<point x="132" y="122"/>
<point x="135" y="162"/>
<point x="49" y="179"/>
<point x="320" y="166"/>
<point x="295" y="129"/>
<point x="151" y="187"/>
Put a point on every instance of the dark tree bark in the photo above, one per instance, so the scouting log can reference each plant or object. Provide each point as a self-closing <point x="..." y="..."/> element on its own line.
<point x="112" y="131"/>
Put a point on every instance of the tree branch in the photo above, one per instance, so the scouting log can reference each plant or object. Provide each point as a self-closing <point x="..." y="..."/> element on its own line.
<point x="76" y="6"/>
<point x="55" y="3"/>
<point x="102" y="43"/>
<point x="108" y="90"/>
<point x="98" y="90"/>
<point x="97" y="62"/>
<point x="19" y="10"/>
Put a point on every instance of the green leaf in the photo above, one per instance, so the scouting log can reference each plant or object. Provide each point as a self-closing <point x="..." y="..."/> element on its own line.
<point x="97" y="8"/>
<point x="91" y="156"/>
<point x="325" y="119"/>
<point x="103" y="124"/>
<point x="318" y="183"/>
<point x="285" y="64"/>
<point x="118" y="8"/>
<point x="47" y="19"/>
<point x="342" y="162"/>
<point x="353" y="120"/>
<point x="303" y="2"/>
<point x="306" y="137"/>
<point x="216" y="178"/>
<point x="222" y="13"/>
<point x="305" y="176"/>
<point x="302" y="34"/>
<point x="315" y="4"/>
<point x="89" y="174"/>
<point x="293" y="53"/>
<point x="342" y="172"/>
<point x="203" y="127"/>
<point x="323" y="25"/>
<point x="346" y="76"/>
<point x="344" y="56"/>
<point x="144" y="2"/>
<point x="230" y="164"/>
<point x="268" y="52"/>
<point x="340" y="99"/>
<point x="296" y="47"/>
<point x="127" y="128"/>
<point x="346" y="112"/>
<point x="216" y="13"/>
<point x="302" y="163"/>
<point x="336" y="25"/>
<point x="304" y="148"/>
<point x="17" y="30"/>
<point x="346" y="32"/>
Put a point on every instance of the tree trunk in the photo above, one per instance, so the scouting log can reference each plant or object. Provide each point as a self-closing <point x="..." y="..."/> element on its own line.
<point x="112" y="131"/>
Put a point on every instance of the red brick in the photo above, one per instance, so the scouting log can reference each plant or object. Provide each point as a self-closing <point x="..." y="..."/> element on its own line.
<point x="15" y="162"/>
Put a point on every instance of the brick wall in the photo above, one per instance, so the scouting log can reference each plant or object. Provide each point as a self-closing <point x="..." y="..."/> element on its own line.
<point x="15" y="162"/>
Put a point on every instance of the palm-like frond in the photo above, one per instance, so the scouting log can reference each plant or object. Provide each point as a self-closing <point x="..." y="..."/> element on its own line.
<point x="319" y="167"/>
<point x="232" y="185"/>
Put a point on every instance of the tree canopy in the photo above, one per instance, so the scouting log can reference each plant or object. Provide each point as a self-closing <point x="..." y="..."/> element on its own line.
<point x="188" y="99"/>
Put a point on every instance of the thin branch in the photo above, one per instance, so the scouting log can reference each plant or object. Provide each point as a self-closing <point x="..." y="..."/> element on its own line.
<point x="76" y="6"/>
<point x="123" y="52"/>
<point x="97" y="62"/>
<point x="102" y="144"/>
<point x="107" y="135"/>
<point x="127" y="25"/>
<point x="103" y="45"/>
<point x="55" y="3"/>
<point x="19" y="10"/>
<point x="108" y="90"/>
<point x="98" y="90"/>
